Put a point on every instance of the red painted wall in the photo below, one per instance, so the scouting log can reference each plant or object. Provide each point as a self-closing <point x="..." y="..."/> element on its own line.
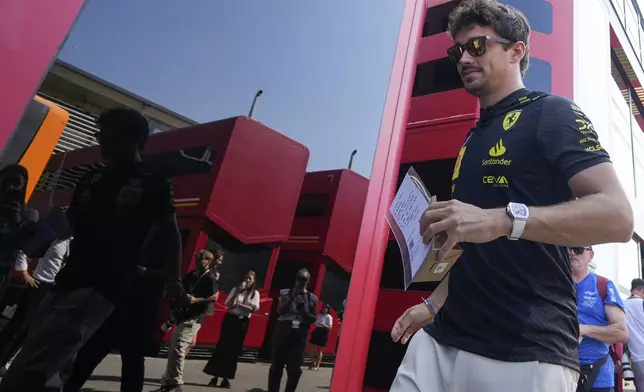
<point x="31" y="34"/>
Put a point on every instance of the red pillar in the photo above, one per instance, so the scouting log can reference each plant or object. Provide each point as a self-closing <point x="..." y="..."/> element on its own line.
<point x="31" y="34"/>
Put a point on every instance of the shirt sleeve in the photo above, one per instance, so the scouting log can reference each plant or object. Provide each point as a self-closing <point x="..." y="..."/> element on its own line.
<point x="329" y="321"/>
<point x="255" y="300"/>
<point x="231" y="297"/>
<point x="612" y="296"/>
<point x="21" y="262"/>
<point x="568" y="138"/>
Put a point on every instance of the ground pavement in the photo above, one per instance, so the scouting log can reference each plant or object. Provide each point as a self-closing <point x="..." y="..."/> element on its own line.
<point x="250" y="377"/>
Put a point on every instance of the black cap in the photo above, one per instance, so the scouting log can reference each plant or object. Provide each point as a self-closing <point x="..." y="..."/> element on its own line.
<point x="637" y="283"/>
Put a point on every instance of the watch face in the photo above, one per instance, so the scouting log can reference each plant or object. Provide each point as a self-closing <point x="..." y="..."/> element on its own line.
<point x="519" y="210"/>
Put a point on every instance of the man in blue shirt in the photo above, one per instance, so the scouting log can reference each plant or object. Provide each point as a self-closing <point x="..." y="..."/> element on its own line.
<point x="601" y="322"/>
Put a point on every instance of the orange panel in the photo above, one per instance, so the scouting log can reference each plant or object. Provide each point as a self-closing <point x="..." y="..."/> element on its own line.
<point x="42" y="146"/>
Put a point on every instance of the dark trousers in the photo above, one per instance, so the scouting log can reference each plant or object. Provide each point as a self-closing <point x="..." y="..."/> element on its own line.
<point x="18" y="327"/>
<point x="289" y="345"/>
<point x="223" y="362"/>
<point x="129" y="330"/>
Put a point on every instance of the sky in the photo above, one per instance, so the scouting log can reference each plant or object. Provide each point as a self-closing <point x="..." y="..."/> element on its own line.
<point x="324" y="66"/>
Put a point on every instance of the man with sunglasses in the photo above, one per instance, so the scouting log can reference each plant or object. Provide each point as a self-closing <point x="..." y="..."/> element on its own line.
<point x="297" y="311"/>
<point x="602" y="322"/>
<point x="530" y="179"/>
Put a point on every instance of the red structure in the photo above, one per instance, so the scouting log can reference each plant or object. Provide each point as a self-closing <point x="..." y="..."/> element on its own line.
<point x="237" y="184"/>
<point x="32" y="33"/>
<point x="426" y="117"/>
<point x="323" y="238"/>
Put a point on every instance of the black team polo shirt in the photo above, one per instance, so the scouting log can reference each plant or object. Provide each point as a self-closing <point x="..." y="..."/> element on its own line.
<point x="112" y="212"/>
<point x="514" y="301"/>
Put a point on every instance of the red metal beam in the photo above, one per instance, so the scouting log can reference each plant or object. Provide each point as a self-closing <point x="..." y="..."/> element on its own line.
<point x="363" y="291"/>
<point x="31" y="34"/>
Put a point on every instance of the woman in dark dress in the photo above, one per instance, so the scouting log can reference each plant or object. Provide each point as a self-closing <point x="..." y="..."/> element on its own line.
<point x="242" y="301"/>
<point x="320" y="336"/>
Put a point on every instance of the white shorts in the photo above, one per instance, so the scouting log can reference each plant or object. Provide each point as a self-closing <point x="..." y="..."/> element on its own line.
<point x="431" y="367"/>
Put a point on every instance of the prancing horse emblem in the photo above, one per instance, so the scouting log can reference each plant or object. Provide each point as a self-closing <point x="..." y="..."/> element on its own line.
<point x="511" y="119"/>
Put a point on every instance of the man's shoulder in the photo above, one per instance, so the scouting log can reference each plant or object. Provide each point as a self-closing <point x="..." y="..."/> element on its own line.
<point x="559" y="104"/>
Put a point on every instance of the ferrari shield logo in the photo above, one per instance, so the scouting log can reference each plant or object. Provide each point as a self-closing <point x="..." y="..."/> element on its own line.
<point x="511" y="119"/>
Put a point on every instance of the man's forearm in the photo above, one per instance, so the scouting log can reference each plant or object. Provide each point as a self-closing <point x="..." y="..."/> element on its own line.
<point x="612" y="333"/>
<point x="591" y="220"/>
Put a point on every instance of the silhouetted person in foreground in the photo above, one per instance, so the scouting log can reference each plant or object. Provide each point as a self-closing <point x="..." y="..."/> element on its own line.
<point x="111" y="214"/>
<point x="129" y="329"/>
<point x="296" y="312"/>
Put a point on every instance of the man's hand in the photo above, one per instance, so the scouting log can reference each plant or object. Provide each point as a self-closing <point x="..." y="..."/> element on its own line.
<point x="410" y="322"/>
<point x="462" y="222"/>
<point x="140" y="270"/>
<point x="29" y="280"/>
<point x="192" y="300"/>
<point x="583" y="330"/>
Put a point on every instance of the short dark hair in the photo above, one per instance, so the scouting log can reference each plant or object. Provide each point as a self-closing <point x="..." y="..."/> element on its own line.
<point x="218" y="253"/>
<point x="637" y="283"/>
<point x="128" y="121"/>
<point x="507" y="21"/>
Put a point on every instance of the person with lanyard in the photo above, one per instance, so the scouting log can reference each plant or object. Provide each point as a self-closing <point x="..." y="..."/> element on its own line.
<point x="112" y="213"/>
<point x="242" y="302"/>
<point x="635" y="321"/>
<point x="530" y="180"/>
<point x="203" y="290"/>
<point x="296" y="311"/>
<point x="602" y="322"/>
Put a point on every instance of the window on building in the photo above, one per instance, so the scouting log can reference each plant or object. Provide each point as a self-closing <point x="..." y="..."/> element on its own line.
<point x="436" y="18"/>
<point x="285" y="272"/>
<point x="436" y="76"/>
<point x="539" y="76"/>
<point x="538" y="12"/>
<point x="312" y="205"/>
<point x="237" y="263"/>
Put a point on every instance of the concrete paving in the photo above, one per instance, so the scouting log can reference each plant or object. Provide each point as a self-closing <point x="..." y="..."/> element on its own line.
<point x="250" y="377"/>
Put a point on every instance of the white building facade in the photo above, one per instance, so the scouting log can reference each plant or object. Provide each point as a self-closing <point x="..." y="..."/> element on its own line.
<point x="608" y="76"/>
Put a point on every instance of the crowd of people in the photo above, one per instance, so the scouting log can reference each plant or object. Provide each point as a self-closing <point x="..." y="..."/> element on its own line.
<point x="524" y="312"/>
<point x="103" y="267"/>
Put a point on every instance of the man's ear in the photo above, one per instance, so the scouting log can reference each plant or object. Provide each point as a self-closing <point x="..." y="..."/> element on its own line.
<point x="518" y="51"/>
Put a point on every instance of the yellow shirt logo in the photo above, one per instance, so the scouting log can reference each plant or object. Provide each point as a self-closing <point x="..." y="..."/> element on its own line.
<point x="511" y="119"/>
<point x="457" y="167"/>
<point x="498" y="149"/>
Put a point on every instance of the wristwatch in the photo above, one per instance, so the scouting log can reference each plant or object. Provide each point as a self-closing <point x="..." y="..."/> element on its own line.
<point x="519" y="214"/>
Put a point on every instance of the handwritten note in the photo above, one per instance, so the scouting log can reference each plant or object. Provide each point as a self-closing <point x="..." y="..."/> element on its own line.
<point x="407" y="208"/>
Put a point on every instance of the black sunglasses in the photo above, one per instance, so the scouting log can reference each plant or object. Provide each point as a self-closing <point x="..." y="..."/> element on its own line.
<point x="475" y="46"/>
<point x="578" y="250"/>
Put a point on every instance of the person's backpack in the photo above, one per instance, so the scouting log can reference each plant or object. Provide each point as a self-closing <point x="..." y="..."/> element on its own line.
<point x="615" y="350"/>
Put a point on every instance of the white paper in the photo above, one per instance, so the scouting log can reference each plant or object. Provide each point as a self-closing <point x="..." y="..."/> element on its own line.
<point x="407" y="208"/>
